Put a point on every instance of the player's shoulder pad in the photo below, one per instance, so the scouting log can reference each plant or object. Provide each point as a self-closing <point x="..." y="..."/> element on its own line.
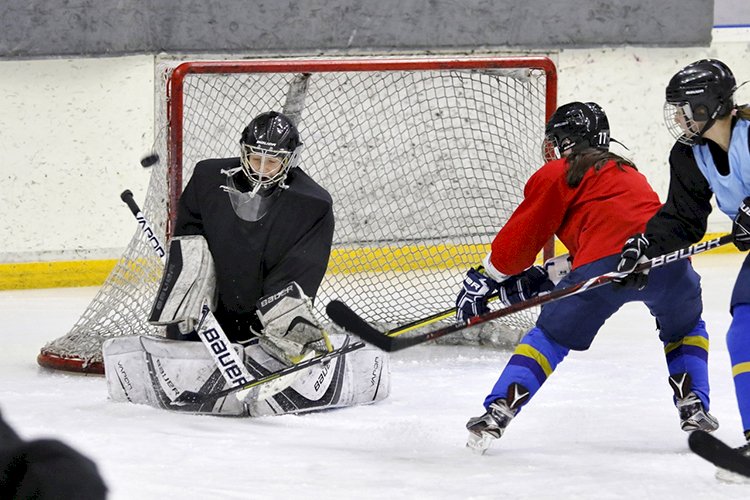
<point x="303" y="185"/>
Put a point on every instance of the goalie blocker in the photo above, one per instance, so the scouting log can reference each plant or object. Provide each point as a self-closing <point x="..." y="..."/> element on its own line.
<point x="188" y="281"/>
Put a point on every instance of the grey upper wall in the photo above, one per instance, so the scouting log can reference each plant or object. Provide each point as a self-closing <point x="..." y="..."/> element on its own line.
<point x="34" y="28"/>
<point x="732" y="13"/>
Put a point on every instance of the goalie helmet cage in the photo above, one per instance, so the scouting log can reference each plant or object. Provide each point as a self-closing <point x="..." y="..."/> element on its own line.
<point x="425" y="158"/>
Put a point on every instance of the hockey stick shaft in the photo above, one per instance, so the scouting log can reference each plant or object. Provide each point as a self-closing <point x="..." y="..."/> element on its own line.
<point x="341" y="314"/>
<point x="188" y="397"/>
<point x="428" y="320"/>
<point x="127" y="197"/>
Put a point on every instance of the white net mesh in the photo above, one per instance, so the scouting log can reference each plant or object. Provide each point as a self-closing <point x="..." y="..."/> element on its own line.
<point x="424" y="166"/>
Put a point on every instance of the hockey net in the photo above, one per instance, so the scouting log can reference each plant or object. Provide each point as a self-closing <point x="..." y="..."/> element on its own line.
<point x="425" y="159"/>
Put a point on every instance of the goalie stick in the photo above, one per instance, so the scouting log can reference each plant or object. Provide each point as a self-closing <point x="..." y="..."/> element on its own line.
<point x="719" y="453"/>
<point x="347" y="319"/>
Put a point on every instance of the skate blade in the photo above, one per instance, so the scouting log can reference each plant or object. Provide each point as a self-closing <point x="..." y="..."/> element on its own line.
<point x="479" y="444"/>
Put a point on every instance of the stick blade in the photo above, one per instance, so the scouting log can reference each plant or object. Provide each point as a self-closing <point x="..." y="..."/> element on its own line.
<point x="718" y="453"/>
<point x="350" y="321"/>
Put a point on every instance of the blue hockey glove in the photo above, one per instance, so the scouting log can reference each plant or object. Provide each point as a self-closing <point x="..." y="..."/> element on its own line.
<point x="633" y="253"/>
<point x="525" y="285"/>
<point x="741" y="226"/>
<point x="476" y="289"/>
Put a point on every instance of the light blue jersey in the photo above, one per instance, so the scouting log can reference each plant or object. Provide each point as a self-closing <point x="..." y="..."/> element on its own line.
<point x="729" y="189"/>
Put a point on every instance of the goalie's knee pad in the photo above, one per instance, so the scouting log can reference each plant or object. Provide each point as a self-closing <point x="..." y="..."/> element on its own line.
<point x="188" y="281"/>
<point x="290" y="330"/>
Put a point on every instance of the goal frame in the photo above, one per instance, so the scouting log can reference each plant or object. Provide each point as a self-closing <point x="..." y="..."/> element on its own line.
<point x="175" y="95"/>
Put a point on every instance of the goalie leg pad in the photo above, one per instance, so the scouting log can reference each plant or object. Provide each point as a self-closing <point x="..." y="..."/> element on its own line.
<point x="290" y="330"/>
<point x="189" y="279"/>
<point x="356" y="378"/>
<point x="154" y="372"/>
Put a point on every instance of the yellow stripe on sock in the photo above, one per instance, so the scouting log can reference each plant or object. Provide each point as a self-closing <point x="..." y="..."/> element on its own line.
<point x="741" y="368"/>
<point x="530" y="352"/>
<point x="695" y="340"/>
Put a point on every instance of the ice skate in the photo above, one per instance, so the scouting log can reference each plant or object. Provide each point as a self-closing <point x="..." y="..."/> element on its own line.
<point x="485" y="428"/>
<point x="693" y="416"/>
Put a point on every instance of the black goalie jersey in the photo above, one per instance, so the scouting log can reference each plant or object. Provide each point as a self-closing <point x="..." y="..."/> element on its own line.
<point x="291" y="242"/>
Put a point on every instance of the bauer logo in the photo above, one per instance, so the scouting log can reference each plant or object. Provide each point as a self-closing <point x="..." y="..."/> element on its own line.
<point x="223" y="356"/>
<point x="276" y="296"/>
<point x="322" y="376"/>
<point x="166" y="380"/>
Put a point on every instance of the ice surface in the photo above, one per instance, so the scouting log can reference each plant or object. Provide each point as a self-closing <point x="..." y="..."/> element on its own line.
<point x="602" y="427"/>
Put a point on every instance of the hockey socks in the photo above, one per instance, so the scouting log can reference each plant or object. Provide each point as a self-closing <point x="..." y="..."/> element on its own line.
<point x="533" y="361"/>
<point x="689" y="355"/>
<point x="738" y="345"/>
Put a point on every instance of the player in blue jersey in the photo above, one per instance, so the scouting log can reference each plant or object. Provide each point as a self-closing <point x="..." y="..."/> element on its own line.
<point x="591" y="199"/>
<point x="711" y="157"/>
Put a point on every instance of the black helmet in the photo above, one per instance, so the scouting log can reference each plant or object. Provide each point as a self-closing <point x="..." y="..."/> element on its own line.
<point x="272" y="137"/>
<point x="576" y="126"/>
<point x="700" y="92"/>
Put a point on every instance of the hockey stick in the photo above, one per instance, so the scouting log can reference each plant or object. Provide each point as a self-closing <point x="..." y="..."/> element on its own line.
<point x="428" y="320"/>
<point x="718" y="453"/>
<point x="127" y="197"/>
<point x="343" y="316"/>
<point x="252" y="388"/>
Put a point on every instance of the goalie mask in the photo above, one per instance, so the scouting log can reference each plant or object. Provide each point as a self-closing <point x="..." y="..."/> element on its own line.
<point x="270" y="149"/>
<point x="573" y="127"/>
<point x="696" y="96"/>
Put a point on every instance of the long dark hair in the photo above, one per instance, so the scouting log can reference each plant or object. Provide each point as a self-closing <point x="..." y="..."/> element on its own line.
<point x="579" y="162"/>
<point x="743" y="111"/>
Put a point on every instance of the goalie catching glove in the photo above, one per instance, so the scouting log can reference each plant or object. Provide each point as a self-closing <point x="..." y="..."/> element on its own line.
<point x="478" y="286"/>
<point x="290" y="331"/>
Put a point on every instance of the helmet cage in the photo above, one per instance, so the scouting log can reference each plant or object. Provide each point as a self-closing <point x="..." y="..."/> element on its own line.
<point x="696" y="96"/>
<point x="259" y="179"/>
<point x="554" y="147"/>
<point x="681" y="124"/>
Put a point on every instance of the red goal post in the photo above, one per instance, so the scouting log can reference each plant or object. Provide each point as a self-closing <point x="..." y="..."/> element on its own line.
<point x="425" y="158"/>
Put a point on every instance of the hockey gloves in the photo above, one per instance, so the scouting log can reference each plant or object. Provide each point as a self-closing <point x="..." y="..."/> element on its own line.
<point x="478" y="287"/>
<point x="525" y="285"/>
<point x="741" y="226"/>
<point x="633" y="253"/>
<point x="290" y="331"/>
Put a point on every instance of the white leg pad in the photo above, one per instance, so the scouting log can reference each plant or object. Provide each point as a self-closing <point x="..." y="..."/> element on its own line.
<point x="153" y="371"/>
<point x="360" y="377"/>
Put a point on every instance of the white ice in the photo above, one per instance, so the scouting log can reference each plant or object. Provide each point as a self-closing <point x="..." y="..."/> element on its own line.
<point x="602" y="427"/>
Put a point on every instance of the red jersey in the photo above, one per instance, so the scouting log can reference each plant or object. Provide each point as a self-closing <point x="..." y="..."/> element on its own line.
<point x="592" y="220"/>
